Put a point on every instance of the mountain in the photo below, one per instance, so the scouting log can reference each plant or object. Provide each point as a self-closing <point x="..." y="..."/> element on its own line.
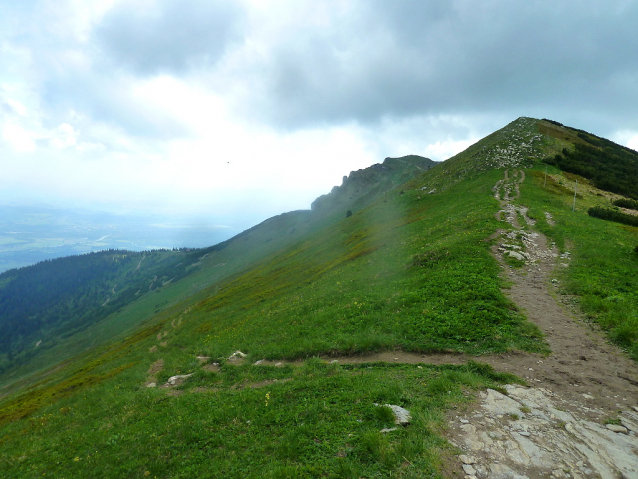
<point x="55" y="304"/>
<point x="362" y="187"/>
<point x="214" y="369"/>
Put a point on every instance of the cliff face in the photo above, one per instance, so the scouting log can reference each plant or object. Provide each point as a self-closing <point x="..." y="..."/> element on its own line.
<point x="362" y="186"/>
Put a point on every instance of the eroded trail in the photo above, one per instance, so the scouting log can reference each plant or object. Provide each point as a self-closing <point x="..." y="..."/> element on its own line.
<point x="557" y="427"/>
<point x="582" y="361"/>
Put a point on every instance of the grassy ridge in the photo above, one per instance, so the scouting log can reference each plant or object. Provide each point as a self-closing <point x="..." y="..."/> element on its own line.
<point x="412" y="270"/>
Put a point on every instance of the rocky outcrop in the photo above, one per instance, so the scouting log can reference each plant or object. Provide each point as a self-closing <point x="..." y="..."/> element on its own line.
<point x="531" y="433"/>
<point x="363" y="186"/>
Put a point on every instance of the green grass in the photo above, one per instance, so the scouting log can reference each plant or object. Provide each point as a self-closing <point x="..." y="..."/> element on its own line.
<point x="407" y="273"/>
<point x="320" y="423"/>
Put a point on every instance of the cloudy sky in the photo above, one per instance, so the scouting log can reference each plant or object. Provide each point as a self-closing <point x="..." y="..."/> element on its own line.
<point x="239" y="110"/>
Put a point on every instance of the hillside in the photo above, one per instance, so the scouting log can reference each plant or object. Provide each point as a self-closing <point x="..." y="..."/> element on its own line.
<point x="55" y="309"/>
<point x="432" y="269"/>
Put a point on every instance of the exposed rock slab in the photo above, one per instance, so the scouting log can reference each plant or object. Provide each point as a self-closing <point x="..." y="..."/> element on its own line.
<point x="528" y="434"/>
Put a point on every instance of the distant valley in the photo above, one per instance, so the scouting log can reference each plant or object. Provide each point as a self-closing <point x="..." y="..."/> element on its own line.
<point x="32" y="234"/>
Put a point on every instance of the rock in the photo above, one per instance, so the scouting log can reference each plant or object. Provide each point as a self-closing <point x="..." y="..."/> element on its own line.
<point x="501" y="471"/>
<point x="467" y="459"/>
<point x="257" y="363"/>
<point x="464" y="421"/>
<point x="390" y="429"/>
<point x="177" y="379"/>
<point x="629" y="424"/>
<point x="151" y="385"/>
<point x="515" y="255"/>
<point x="616" y="428"/>
<point x="237" y="354"/>
<point x="469" y="470"/>
<point x="401" y="416"/>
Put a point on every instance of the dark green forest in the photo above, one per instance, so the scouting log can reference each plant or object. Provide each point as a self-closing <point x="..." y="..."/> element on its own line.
<point x="610" y="167"/>
<point x="55" y="299"/>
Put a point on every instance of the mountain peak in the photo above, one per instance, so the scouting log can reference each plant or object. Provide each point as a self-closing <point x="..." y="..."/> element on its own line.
<point x="362" y="186"/>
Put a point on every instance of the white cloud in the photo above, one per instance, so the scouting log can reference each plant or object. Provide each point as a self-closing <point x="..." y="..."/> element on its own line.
<point x="17" y="137"/>
<point x="629" y="138"/>
<point x="16" y="106"/>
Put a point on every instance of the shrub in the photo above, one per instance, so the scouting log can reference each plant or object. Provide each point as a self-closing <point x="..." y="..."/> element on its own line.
<point x="626" y="203"/>
<point x="612" y="215"/>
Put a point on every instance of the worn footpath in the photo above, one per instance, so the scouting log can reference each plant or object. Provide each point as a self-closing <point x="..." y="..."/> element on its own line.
<point x="579" y="417"/>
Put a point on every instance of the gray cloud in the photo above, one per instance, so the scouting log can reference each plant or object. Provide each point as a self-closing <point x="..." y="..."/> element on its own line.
<point x="431" y="58"/>
<point x="169" y="37"/>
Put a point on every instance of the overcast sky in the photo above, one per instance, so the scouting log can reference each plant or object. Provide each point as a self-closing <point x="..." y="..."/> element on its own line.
<point x="222" y="108"/>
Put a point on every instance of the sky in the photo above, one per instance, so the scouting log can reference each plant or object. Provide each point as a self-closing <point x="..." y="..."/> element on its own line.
<point x="235" y="111"/>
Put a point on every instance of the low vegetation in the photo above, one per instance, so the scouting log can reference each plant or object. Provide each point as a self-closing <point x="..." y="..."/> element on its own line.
<point x="611" y="167"/>
<point x="612" y="215"/>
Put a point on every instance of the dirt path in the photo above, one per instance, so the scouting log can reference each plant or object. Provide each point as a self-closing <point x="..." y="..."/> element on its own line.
<point x="557" y="427"/>
<point x="582" y="360"/>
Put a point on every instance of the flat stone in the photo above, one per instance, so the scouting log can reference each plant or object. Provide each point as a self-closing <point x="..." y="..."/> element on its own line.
<point x="465" y="459"/>
<point x="499" y="404"/>
<point x="628" y="423"/>
<point x="469" y="470"/>
<point x="515" y="255"/>
<point x="501" y="471"/>
<point x="616" y="428"/>
<point x="388" y="429"/>
<point x="401" y="416"/>
<point x="178" y="379"/>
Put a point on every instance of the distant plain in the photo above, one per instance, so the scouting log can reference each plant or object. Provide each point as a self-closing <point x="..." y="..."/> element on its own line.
<point x="30" y="234"/>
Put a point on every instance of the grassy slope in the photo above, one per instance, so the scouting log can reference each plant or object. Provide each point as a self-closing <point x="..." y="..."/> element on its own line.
<point x="215" y="264"/>
<point x="401" y="273"/>
<point x="202" y="268"/>
<point x="410" y="271"/>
